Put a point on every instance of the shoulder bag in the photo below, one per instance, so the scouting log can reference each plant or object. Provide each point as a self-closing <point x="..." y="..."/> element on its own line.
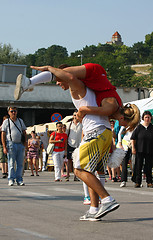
<point x="23" y="139"/>
<point x="50" y="147"/>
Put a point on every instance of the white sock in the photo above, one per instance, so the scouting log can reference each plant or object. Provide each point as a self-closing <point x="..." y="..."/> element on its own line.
<point x="93" y="210"/>
<point x="107" y="199"/>
<point x="85" y="188"/>
<point x="42" y="77"/>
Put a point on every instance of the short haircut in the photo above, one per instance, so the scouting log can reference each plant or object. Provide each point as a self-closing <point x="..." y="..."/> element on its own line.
<point x="146" y="113"/>
<point x="5" y="117"/>
<point x="58" y="123"/>
<point x="64" y="65"/>
<point x="9" y="107"/>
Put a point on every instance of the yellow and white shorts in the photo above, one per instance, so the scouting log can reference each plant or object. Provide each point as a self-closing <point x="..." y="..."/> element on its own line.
<point x="92" y="154"/>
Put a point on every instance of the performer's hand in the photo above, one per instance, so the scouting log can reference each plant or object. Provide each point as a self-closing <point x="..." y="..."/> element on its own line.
<point x="43" y="68"/>
<point x="81" y="113"/>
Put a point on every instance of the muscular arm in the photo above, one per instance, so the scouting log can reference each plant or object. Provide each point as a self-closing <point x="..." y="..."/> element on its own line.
<point x="108" y="108"/>
<point x="71" y="78"/>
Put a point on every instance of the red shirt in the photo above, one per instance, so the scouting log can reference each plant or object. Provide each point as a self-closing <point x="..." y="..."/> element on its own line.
<point x="59" y="147"/>
<point x="96" y="79"/>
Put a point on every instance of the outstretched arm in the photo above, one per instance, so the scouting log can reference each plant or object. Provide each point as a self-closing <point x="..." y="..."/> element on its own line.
<point x="76" y="86"/>
<point x="77" y="71"/>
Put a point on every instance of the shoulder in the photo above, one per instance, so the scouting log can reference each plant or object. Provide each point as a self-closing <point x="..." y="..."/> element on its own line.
<point x="22" y="124"/>
<point x="112" y="101"/>
<point x="20" y="120"/>
<point x="138" y="128"/>
<point x="4" y="124"/>
<point x="65" y="135"/>
<point x="52" y="134"/>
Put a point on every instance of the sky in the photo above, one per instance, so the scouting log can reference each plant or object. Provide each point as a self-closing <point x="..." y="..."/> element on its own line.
<point x="29" y="25"/>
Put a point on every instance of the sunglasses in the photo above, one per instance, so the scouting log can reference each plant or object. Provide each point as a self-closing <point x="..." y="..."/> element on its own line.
<point x="13" y="111"/>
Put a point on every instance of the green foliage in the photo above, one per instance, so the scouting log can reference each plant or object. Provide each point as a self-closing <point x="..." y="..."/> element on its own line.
<point x="116" y="59"/>
<point x="149" y="39"/>
<point x="8" y="56"/>
<point x="142" y="81"/>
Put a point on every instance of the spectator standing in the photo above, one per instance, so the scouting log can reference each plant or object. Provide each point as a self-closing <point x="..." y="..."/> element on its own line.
<point x="32" y="154"/>
<point x="112" y="123"/>
<point x="60" y="150"/>
<point x="3" y="157"/>
<point x="13" y="131"/>
<point x="126" y="145"/>
<point x="65" y="163"/>
<point x="142" y="147"/>
<point x="74" y="139"/>
<point x="41" y="147"/>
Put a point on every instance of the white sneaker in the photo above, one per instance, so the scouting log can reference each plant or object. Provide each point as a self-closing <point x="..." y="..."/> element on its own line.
<point x="106" y="208"/>
<point x="22" y="85"/>
<point x="10" y="183"/>
<point x="123" y="184"/>
<point x="89" y="217"/>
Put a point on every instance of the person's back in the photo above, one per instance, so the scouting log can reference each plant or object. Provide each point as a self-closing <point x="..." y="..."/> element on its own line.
<point x="90" y="122"/>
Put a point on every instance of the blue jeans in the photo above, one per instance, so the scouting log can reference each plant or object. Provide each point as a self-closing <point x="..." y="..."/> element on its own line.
<point x="15" y="153"/>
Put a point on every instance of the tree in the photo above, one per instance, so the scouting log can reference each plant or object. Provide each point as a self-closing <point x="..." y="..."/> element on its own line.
<point x="55" y="54"/>
<point x="149" y="39"/>
<point x="8" y="56"/>
<point x="140" y="52"/>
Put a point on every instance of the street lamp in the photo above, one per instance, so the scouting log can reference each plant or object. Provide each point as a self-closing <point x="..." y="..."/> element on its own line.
<point x="81" y="56"/>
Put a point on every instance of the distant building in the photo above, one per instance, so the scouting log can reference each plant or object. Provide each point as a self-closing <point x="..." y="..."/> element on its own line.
<point x="116" y="39"/>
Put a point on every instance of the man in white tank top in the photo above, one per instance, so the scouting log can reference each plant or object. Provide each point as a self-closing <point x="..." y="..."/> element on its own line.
<point x="93" y="152"/>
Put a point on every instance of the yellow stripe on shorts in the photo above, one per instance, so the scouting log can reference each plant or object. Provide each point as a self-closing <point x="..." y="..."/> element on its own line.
<point x="93" y="155"/>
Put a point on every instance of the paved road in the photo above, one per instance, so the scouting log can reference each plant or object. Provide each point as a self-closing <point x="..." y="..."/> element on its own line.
<point x="44" y="209"/>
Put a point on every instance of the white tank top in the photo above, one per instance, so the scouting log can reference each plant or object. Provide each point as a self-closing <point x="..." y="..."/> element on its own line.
<point x="90" y="122"/>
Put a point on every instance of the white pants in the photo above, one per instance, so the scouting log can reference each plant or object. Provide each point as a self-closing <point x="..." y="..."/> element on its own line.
<point x="58" y="159"/>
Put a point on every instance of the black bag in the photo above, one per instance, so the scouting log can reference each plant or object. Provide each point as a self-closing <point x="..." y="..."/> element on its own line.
<point x="23" y="139"/>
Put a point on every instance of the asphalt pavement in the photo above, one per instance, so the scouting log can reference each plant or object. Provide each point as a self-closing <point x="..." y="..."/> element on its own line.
<point x="44" y="209"/>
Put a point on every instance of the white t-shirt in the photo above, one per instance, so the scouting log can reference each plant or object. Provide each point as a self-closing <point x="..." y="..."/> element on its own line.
<point x="15" y="134"/>
<point x="75" y="133"/>
<point x="126" y="139"/>
<point x="91" y="122"/>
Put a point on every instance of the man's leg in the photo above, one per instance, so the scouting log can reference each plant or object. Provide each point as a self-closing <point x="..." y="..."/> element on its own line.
<point x="23" y="83"/>
<point x="11" y="162"/>
<point x="20" y="152"/>
<point x="108" y="203"/>
<point x="92" y="182"/>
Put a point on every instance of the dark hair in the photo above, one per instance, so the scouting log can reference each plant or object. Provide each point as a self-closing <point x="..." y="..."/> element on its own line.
<point x="146" y="113"/>
<point x="13" y="107"/>
<point x="58" y="123"/>
<point x="5" y="117"/>
<point x="33" y="132"/>
<point x="64" y="65"/>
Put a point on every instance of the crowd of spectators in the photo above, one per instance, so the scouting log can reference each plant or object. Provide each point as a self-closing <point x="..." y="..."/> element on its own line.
<point x="137" y="143"/>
